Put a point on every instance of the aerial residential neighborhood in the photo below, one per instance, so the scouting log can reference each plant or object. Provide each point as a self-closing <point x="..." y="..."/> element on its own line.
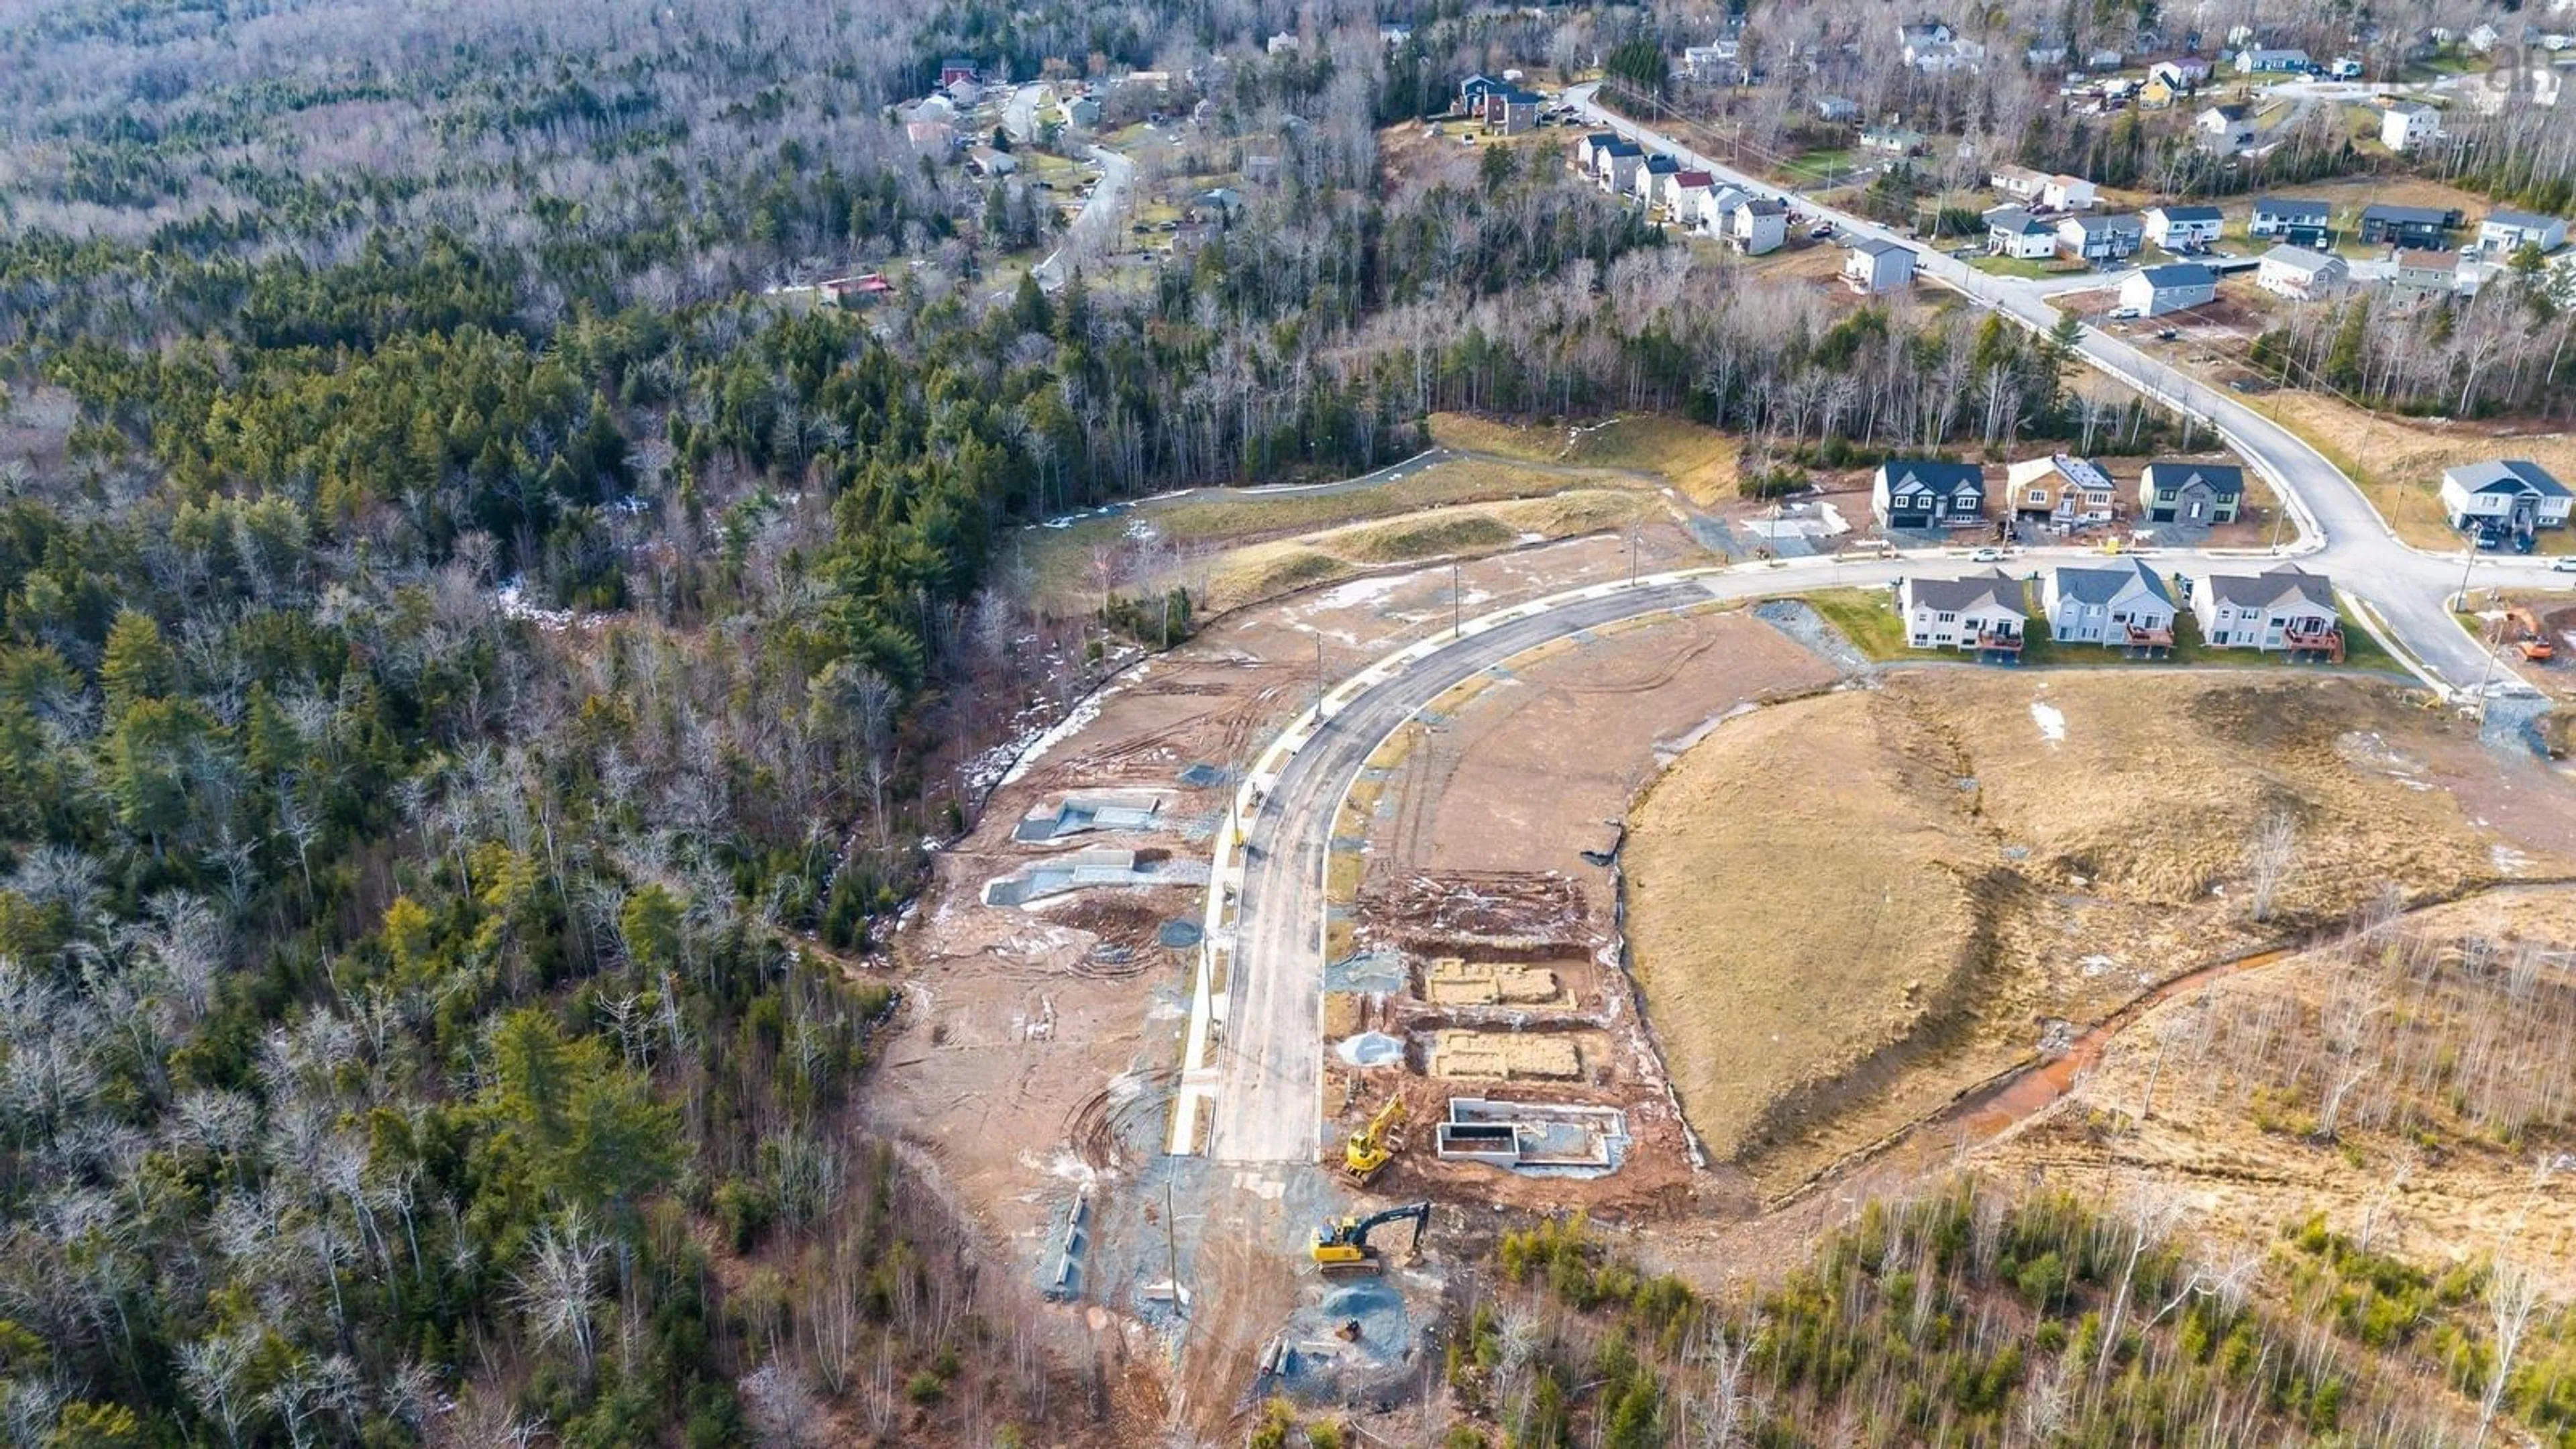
<point x="1542" y="726"/>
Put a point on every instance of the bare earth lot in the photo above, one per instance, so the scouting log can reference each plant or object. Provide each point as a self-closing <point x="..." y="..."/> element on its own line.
<point x="1848" y="910"/>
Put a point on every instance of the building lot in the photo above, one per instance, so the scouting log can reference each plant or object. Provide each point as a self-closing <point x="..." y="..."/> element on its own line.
<point x="2010" y="852"/>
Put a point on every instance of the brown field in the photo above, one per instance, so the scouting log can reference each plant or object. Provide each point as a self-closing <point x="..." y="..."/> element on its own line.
<point x="1266" y="570"/>
<point x="1954" y="885"/>
<point x="1699" y="461"/>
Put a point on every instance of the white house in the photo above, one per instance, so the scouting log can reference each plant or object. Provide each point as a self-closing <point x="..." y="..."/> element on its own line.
<point x="2013" y="232"/>
<point x="2223" y="130"/>
<point x="2101" y="238"/>
<point x="2285" y="608"/>
<point x="1871" y="266"/>
<point x="2300" y="274"/>
<point x="2018" y="182"/>
<point x="2302" y="221"/>
<point x="2505" y="232"/>
<point x="2183" y="228"/>
<point x="2406" y="125"/>
<point x="2067" y="193"/>
<point x="1717" y="205"/>
<point x="1654" y="179"/>
<point x="1980" y="614"/>
<point x="1758" y="225"/>
<point x="2123" y="605"/>
<point x="2174" y="287"/>
<point x="2509" y="495"/>
<point x="1690" y="189"/>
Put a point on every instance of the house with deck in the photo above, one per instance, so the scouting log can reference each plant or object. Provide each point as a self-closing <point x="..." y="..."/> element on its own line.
<point x="2021" y="183"/>
<point x="2179" y="228"/>
<point x="2199" y="494"/>
<point x="2503" y="498"/>
<point x="2174" y="287"/>
<point x="1871" y="266"/>
<point x="2424" y="227"/>
<point x="2101" y="238"/>
<point x="1928" y="493"/>
<point x="2502" y="233"/>
<point x="2223" y="130"/>
<point x="2285" y="609"/>
<point x="2062" y="490"/>
<point x="2294" y="220"/>
<point x="2301" y="275"/>
<point x="1981" y="614"/>
<point x="2013" y="232"/>
<point x="2120" y="605"/>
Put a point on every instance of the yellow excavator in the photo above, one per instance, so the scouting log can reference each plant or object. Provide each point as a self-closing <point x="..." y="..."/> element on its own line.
<point x="1372" y="1147"/>
<point x="1343" y="1249"/>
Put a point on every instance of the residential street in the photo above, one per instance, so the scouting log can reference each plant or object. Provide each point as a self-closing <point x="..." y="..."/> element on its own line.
<point x="1095" y="227"/>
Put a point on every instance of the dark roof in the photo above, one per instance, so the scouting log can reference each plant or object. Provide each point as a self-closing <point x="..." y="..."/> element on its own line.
<point x="1940" y="477"/>
<point x="2231" y="111"/>
<point x="1663" y="165"/>
<point x="2015" y="220"/>
<point x="1877" y="248"/>
<point x="1694" y="178"/>
<point x="2272" y="588"/>
<point x="2179" y="274"/>
<point x="2422" y="215"/>
<point x="2508" y="475"/>
<point x="1625" y="148"/>
<point x="2291" y="206"/>
<point x="2189" y="213"/>
<point x="1765" y="206"/>
<point x="1600" y="138"/>
<point x="2102" y="585"/>
<point x="2122" y="222"/>
<point x="1957" y="596"/>
<point x="2226" y="480"/>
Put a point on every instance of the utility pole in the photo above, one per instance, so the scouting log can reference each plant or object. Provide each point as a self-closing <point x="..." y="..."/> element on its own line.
<point x="1632" y="556"/>
<point x="1457" y="615"/>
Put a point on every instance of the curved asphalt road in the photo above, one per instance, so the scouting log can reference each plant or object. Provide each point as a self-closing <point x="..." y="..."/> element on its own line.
<point x="1267" y="1106"/>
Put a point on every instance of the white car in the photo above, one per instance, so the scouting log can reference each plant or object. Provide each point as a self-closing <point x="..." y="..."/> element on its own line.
<point x="2565" y="564"/>
<point x="1987" y="555"/>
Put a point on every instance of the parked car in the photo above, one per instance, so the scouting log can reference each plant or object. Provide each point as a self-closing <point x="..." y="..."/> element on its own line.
<point x="2166" y="334"/>
<point x="2564" y="564"/>
<point x="1987" y="555"/>
<point x="2124" y="314"/>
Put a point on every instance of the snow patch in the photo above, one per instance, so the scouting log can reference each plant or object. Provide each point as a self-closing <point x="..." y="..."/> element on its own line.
<point x="2051" y="721"/>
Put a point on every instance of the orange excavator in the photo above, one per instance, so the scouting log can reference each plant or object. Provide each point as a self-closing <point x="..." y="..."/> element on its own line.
<point x="2524" y="636"/>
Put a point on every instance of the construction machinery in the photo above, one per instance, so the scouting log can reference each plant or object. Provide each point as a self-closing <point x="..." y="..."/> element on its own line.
<point x="1372" y="1147"/>
<point x="2524" y="636"/>
<point x="1343" y="1249"/>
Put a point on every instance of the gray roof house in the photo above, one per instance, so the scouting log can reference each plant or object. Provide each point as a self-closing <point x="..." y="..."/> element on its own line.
<point x="1871" y="266"/>
<point x="1980" y="614"/>
<point x="2511" y="495"/>
<point x="1928" y="493"/>
<point x="2123" y="605"/>
<point x="2505" y="232"/>
<point x="2297" y="219"/>
<point x="2191" y="493"/>
<point x="2285" y="608"/>
<point x="2102" y="238"/>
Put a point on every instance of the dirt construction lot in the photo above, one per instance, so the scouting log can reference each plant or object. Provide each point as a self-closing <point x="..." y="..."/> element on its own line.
<point x="1965" y="863"/>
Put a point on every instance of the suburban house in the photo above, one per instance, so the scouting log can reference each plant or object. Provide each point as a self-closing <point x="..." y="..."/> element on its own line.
<point x="2510" y="495"/>
<point x="2416" y="275"/>
<point x="1510" y="111"/>
<point x="1589" y="150"/>
<point x="2067" y="193"/>
<point x="2101" y="238"/>
<point x="1892" y="140"/>
<point x="2019" y="182"/>
<point x="1871" y="266"/>
<point x="2257" y="60"/>
<point x="954" y="69"/>
<point x="1655" y="178"/>
<point x="1932" y="47"/>
<point x="1928" y="493"/>
<point x="2174" y="287"/>
<point x="1471" y="93"/>
<point x="1617" y="165"/>
<point x="2194" y="493"/>
<point x="987" y="162"/>
<point x="1082" y="113"/>
<point x="2062" y="490"/>
<point x="2183" y="228"/>
<point x="2103" y="57"/>
<point x="2300" y="274"/>
<point x="2425" y="227"/>
<point x="1980" y="614"/>
<point x="2284" y="608"/>
<point x="1283" y="42"/>
<point x="1689" y="189"/>
<point x="1759" y="225"/>
<point x="2123" y="605"/>
<point x="2040" y="54"/>
<point x="2181" y="73"/>
<point x="2157" y="94"/>
<point x="2406" y="125"/>
<point x="1711" y="65"/>
<point x="1717" y="207"/>
<point x="1838" y="109"/>
<point x="2223" y="130"/>
<point x="2303" y="223"/>
<point x="2013" y="232"/>
<point x="936" y="138"/>
<point x="2505" y="232"/>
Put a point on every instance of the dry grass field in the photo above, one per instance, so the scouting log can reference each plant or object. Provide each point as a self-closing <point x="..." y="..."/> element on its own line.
<point x="1266" y="570"/>
<point x="1699" y="461"/>
<point x="1848" y="910"/>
